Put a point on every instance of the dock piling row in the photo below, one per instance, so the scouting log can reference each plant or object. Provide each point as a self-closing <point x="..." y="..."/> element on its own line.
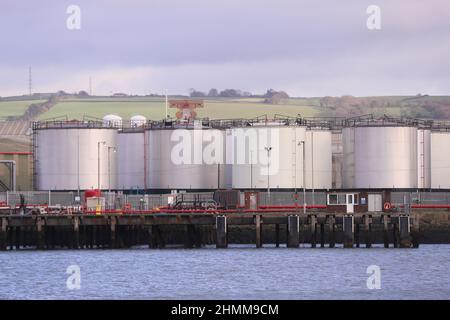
<point x="193" y="231"/>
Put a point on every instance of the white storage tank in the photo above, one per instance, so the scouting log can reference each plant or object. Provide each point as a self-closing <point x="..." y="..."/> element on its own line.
<point x="137" y="121"/>
<point x="252" y="166"/>
<point x="380" y="156"/>
<point x="440" y="160"/>
<point x="180" y="158"/>
<point x="131" y="150"/>
<point x="112" y="120"/>
<point x="318" y="160"/>
<point x="337" y="158"/>
<point x="348" y="158"/>
<point x="66" y="156"/>
<point x="285" y="158"/>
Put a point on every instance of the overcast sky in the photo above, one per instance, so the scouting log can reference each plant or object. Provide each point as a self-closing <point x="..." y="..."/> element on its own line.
<point x="307" y="48"/>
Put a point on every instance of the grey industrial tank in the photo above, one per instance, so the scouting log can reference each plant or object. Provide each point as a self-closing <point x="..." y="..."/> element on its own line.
<point x="67" y="155"/>
<point x="380" y="156"/>
<point x="318" y="158"/>
<point x="440" y="160"/>
<point x="185" y="156"/>
<point x="272" y="156"/>
<point x="131" y="151"/>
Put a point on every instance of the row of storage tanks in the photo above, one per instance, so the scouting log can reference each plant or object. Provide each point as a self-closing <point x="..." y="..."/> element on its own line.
<point x="69" y="155"/>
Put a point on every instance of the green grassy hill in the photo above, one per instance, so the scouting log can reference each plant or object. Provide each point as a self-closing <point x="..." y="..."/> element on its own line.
<point x="222" y="108"/>
<point x="154" y="108"/>
<point x="14" y="108"/>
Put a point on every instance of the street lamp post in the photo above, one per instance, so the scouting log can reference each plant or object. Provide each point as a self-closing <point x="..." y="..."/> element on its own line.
<point x="268" y="149"/>
<point x="295" y="181"/>
<point x="109" y="166"/>
<point x="304" y="175"/>
<point x="98" y="167"/>
<point x="78" y="163"/>
<point x="251" y="169"/>
<point x="218" y="176"/>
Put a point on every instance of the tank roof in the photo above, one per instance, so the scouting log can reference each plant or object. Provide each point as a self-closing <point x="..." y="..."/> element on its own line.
<point x="70" y="124"/>
<point x="319" y="123"/>
<point x="385" y="121"/>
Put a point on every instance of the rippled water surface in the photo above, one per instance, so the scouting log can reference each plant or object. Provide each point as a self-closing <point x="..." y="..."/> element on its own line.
<point x="234" y="273"/>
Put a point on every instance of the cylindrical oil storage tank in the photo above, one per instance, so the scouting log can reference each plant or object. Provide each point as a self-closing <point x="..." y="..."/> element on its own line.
<point x="318" y="161"/>
<point x="380" y="156"/>
<point x="131" y="166"/>
<point x="440" y="160"/>
<point x="137" y="121"/>
<point x="423" y="158"/>
<point x="348" y="158"/>
<point x="112" y="120"/>
<point x="337" y="156"/>
<point x="253" y="166"/>
<point x="185" y="157"/>
<point x="66" y="155"/>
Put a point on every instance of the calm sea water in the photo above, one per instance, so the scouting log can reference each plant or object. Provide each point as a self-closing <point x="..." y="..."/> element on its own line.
<point x="235" y="273"/>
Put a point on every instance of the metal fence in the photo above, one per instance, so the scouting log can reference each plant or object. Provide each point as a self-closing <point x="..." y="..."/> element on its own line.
<point x="288" y="198"/>
<point x="112" y="199"/>
<point x="422" y="197"/>
<point x="150" y="201"/>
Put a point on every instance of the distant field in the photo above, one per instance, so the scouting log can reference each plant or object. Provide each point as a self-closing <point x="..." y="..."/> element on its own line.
<point x="15" y="108"/>
<point x="224" y="108"/>
<point x="76" y="109"/>
<point x="15" y="145"/>
<point x="154" y="108"/>
<point x="242" y="109"/>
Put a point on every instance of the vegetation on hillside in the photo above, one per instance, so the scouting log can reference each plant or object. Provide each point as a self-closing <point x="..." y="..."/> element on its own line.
<point x="227" y="103"/>
<point x="420" y="106"/>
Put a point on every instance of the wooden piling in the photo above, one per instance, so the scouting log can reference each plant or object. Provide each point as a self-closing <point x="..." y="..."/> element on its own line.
<point x="76" y="232"/>
<point x="3" y="233"/>
<point x="40" y="226"/>
<point x="277" y="235"/>
<point x="150" y="241"/>
<point x="404" y="232"/>
<point x="18" y="237"/>
<point x="368" y="230"/>
<point x="313" y="220"/>
<point x="415" y="231"/>
<point x="152" y="237"/>
<point x="322" y="235"/>
<point x="293" y="230"/>
<point x="198" y="236"/>
<point x="385" y="231"/>
<point x="395" y="233"/>
<point x="189" y="236"/>
<point x="159" y="239"/>
<point x="332" y="224"/>
<point x="91" y="236"/>
<point x="85" y="237"/>
<point x="112" y="238"/>
<point x="348" y="227"/>
<point x="357" y="234"/>
<point x="221" y="232"/>
<point x="12" y="241"/>
<point x="258" y="239"/>
<point x="49" y="237"/>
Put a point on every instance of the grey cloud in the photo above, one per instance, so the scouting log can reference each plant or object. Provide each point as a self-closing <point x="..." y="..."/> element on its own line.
<point x="294" y="42"/>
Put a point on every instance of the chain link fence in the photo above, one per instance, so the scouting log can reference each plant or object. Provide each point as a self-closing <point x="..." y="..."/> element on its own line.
<point x="421" y="197"/>
<point x="115" y="200"/>
<point x="288" y="198"/>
